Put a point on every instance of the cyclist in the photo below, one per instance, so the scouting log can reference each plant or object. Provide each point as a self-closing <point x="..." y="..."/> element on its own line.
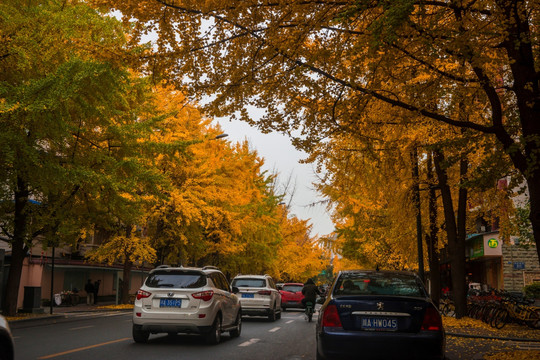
<point x="310" y="292"/>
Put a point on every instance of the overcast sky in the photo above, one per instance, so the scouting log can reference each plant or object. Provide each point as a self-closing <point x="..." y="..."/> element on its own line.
<point x="281" y="157"/>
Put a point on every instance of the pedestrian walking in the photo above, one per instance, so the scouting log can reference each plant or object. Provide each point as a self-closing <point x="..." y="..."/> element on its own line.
<point x="96" y="290"/>
<point x="89" y="288"/>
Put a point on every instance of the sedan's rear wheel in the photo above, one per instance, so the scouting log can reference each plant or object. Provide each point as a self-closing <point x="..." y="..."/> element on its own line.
<point x="139" y="335"/>
<point x="214" y="335"/>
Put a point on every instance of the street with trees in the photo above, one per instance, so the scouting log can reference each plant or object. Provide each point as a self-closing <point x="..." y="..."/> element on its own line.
<point x="462" y="72"/>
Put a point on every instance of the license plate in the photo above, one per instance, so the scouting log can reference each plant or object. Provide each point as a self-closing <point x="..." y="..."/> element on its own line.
<point x="379" y="323"/>
<point x="170" y="303"/>
<point x="248" y="296"/>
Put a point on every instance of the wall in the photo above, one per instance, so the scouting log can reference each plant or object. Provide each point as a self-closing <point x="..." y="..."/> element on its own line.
<point x="514" y="258"/>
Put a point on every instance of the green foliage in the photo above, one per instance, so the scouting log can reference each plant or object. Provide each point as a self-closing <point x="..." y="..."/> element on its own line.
<point x="532" y="290"/>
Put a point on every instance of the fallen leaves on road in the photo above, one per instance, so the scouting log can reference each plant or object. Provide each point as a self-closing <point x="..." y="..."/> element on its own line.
<point x="515" y="355"/>
<point x="493" y="349"/>
<point x="116" y="307"/>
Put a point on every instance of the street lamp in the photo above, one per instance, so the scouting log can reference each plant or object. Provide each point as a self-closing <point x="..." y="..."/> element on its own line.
<point x="220" y="136"/>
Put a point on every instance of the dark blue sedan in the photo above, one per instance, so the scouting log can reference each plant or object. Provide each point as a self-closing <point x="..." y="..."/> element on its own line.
<point x="379" y="315"/>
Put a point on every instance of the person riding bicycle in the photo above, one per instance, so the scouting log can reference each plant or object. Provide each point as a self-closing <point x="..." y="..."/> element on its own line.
<point x="310" y="292"/>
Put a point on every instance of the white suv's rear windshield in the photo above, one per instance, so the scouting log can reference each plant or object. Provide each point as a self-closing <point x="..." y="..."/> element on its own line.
<point x="249" y="282"/>
<point x="176" y="279"/>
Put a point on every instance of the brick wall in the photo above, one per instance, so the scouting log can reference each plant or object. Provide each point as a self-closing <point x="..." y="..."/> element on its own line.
<point x="513" y="255"/>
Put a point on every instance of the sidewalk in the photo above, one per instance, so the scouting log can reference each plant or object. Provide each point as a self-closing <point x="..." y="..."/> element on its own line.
<point x="64" y="313"/>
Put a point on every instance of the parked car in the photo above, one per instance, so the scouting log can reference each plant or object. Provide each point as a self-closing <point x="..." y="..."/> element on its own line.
<point x="379" y="315"/>
<point x="258" y="295"/>
<point x="186" y="300"/>
<point x="6" y="340"/>
<point x="291" y="296"/>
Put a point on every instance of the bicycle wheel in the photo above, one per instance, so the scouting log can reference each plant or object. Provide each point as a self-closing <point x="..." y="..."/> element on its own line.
<point x="533" y="318"/>
<point x="500" y="318"/>
<point x="449" y="310"/>
<point x="489" y="313"/>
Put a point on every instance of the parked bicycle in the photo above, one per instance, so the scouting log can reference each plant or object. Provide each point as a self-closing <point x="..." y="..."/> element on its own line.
<point x="447" y="307"/>
<point x="519" y="311"/>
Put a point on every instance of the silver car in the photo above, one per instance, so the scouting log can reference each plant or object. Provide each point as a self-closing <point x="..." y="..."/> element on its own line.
<point x="186" y="300"/>
<point x="6" y="340"/>
<point x="258" y="295"/>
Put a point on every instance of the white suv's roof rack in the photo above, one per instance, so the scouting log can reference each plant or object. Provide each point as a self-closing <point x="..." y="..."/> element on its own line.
<point x="210" y="267"/>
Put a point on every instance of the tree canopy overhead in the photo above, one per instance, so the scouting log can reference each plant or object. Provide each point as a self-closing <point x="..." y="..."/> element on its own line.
<point x="314" y="67"/>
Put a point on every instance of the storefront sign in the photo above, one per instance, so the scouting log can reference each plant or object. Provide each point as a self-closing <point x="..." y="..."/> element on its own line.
<point x="477" y="247"/>
<point x="492" y="245"/>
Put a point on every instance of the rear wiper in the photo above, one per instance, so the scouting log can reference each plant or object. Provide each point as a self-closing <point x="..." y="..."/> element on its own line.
<point x="166" y="285"/>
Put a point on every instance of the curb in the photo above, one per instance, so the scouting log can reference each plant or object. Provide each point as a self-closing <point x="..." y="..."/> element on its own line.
<point x="58" y="318"/>
<point x="491" y="337"/>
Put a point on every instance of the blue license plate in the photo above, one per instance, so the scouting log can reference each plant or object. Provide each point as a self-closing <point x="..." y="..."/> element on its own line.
<point x="170" y="303"/>
<point x="379" y="323"/>
<point x="248" y="296"/>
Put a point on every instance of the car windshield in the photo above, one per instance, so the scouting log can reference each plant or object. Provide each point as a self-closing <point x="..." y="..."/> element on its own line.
<point x="249" y="282"/>
<point x="176" y="279"/>
<point x="378" y="283"/>
<point x="292" y="288"/>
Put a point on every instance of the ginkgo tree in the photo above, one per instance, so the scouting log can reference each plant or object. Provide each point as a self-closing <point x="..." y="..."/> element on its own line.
<point x="220" y="207"/>
<point x="313" y="65"/>
<point x="64" y="91"/>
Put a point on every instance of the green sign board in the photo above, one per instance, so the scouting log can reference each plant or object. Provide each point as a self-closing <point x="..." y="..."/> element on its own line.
<point x="477" y="247"/>
<point x="493" y="243"/>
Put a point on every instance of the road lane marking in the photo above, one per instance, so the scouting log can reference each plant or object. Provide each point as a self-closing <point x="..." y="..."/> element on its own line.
<point x="250" y="342"/>
<point x="83" y="348"/>
<point x="274" y="329"/>
<point x="290" y="321"/>
<point x="82" y="327"/>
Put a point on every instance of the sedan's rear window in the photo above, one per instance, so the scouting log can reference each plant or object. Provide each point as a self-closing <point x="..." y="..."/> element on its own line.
<point x="176" y="279"/>
<point x="249" y="282"/>
<point x="292" y="288"/>
<point x="378" y="283"/>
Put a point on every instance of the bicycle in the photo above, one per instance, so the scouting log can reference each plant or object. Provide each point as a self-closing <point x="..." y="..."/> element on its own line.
<point x="447" y="307"/>
<point x="309" y="310"/>
<point x="520" y="312"/>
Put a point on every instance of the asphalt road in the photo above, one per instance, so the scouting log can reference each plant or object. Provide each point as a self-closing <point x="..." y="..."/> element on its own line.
<point x="108" y="336"/>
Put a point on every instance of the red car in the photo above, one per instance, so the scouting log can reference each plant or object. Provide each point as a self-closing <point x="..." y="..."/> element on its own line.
<point x="291" y="296"/>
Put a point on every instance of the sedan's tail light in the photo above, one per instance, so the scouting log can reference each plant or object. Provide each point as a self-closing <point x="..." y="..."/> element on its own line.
<point x="264" y="292"/>
<point x="432" y="320"/>
<point x="330" y="317"/>
<point x="204" y="295"/>
<point x="141" y="294"/>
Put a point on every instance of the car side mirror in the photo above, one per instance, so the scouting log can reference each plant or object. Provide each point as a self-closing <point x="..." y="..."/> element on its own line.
<point x="235" y="290"/>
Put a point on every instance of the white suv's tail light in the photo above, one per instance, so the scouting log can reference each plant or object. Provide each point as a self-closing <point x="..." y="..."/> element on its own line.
<point x="142" y="294"/>
<point x="264" y="292"/>
<point x="204" y="295"/>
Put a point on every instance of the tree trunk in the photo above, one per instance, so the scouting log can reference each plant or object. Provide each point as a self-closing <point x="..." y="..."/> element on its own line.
<point x="432" y="238"/>
<point x="533" y="183"/>
<point x="126" y="272"/>
<point x="18" y="249"/>
<point x="126" y="275"/>
<point x="456" y="244"/>
<point x="418" y="213"/>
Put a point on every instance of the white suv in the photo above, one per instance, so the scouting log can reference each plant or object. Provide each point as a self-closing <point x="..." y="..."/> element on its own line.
<point x="258" y="295"/>
<point x="186" y="300"/>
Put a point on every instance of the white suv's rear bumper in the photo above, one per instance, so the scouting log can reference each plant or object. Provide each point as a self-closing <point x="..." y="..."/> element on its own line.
<point x="182" y="320"/>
